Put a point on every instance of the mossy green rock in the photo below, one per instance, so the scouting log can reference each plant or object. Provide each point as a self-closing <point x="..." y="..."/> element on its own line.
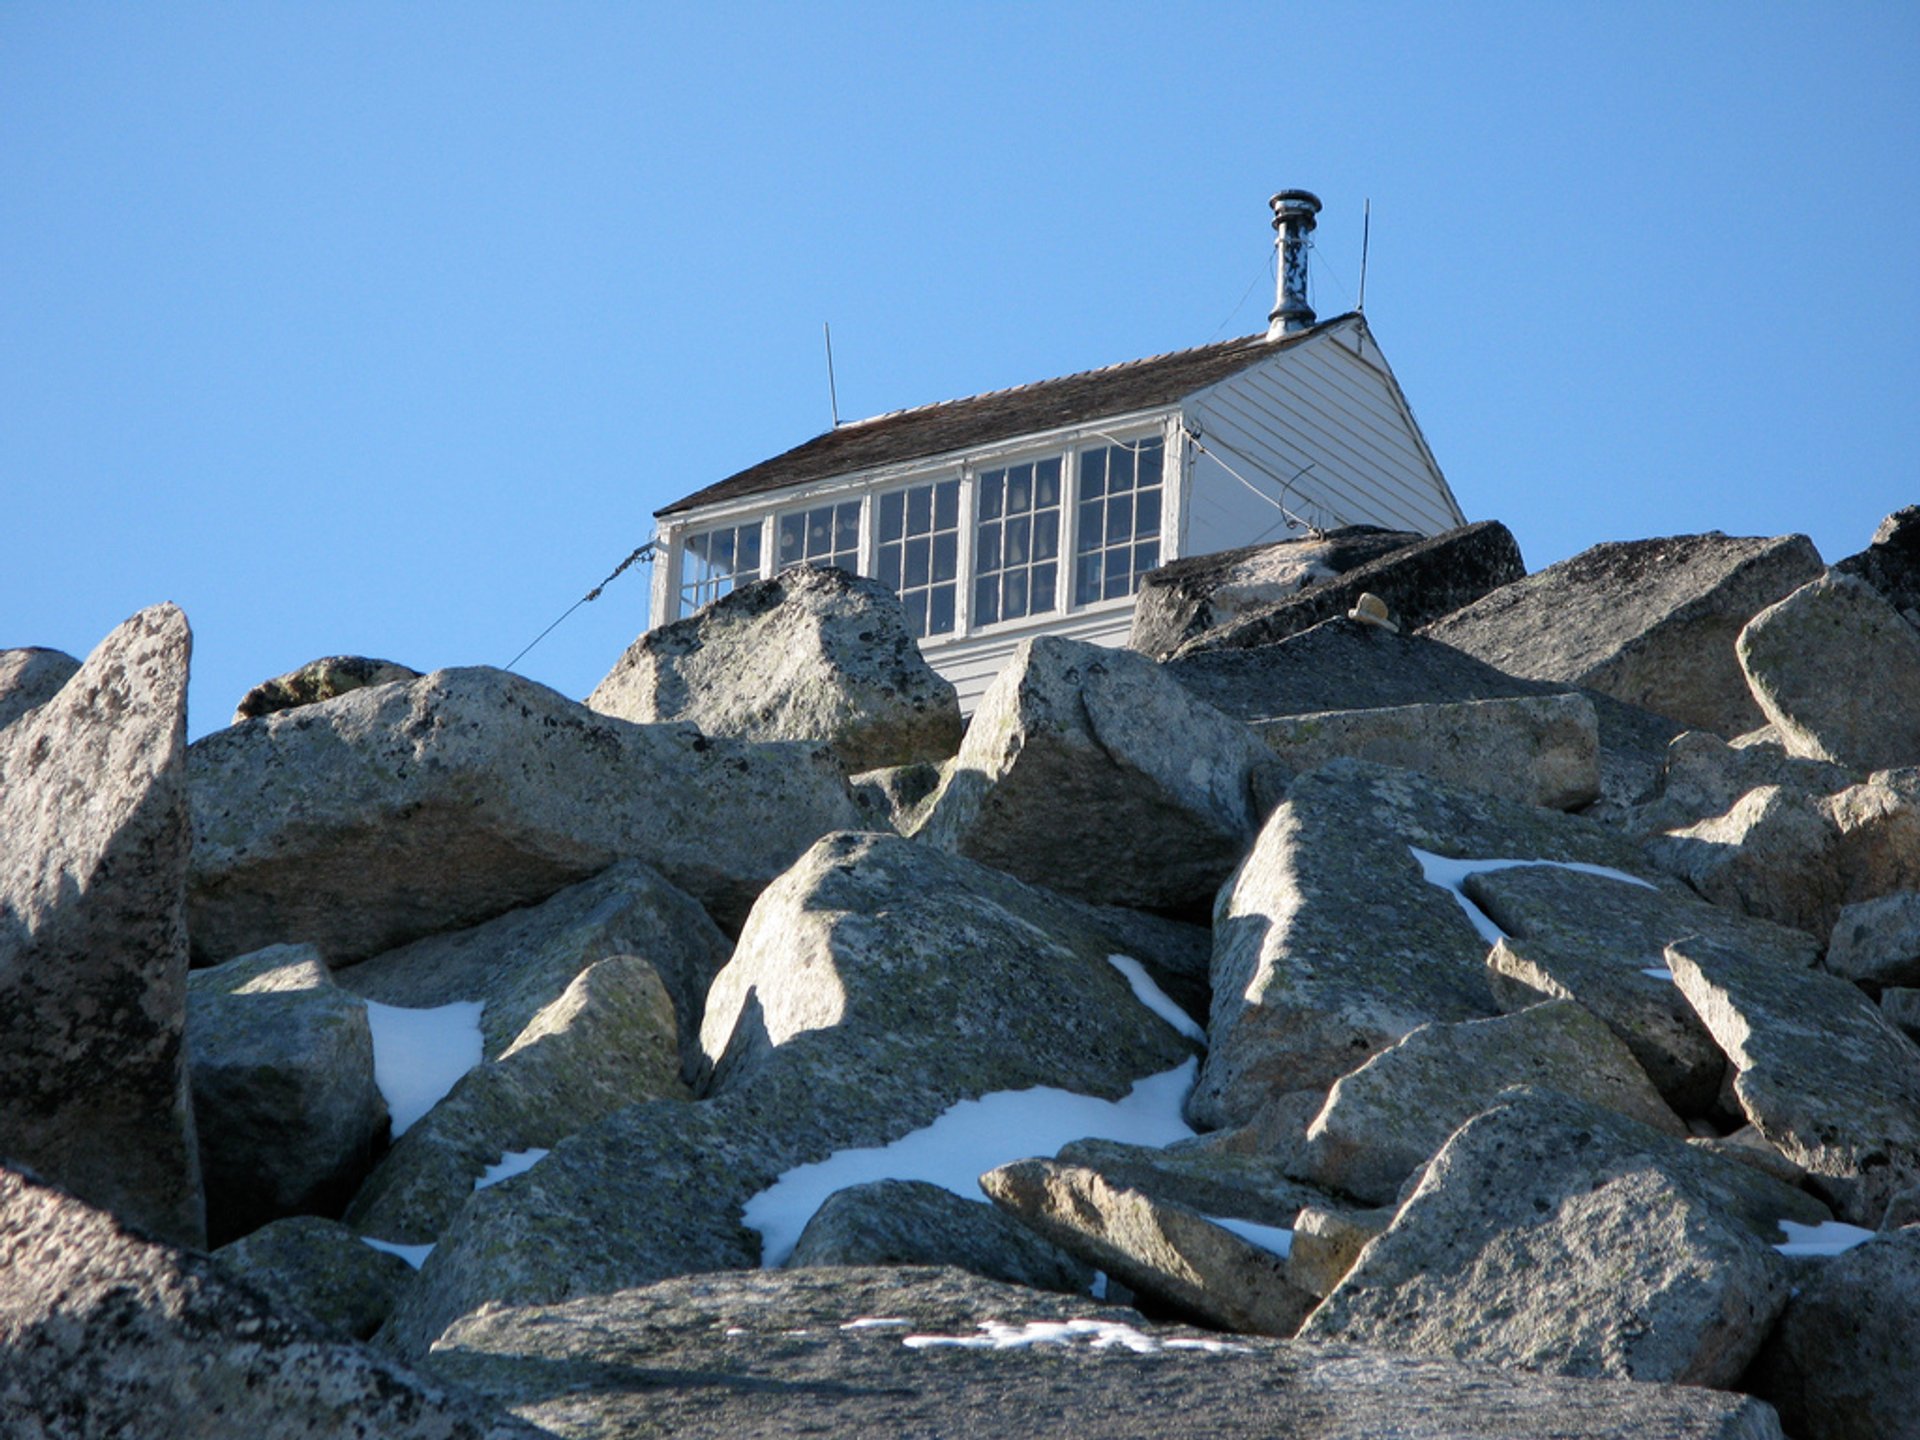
<point x="322" y="1268"/>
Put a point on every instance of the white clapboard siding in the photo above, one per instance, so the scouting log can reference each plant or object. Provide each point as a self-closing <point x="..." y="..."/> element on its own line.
<point x="971" y="664"/>
<point x="1324" y="404"/>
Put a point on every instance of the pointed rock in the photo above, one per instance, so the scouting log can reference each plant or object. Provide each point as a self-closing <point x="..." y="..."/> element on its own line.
<point x="1067" y="779"/>
<point x="1822" y="1073"/>
<point x="809" y="654"/>
<point x="93" y="936"/>
<point x="29" y="677"/>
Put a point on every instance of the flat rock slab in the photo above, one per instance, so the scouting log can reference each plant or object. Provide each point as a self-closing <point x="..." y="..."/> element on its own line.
<point x="1161" y="1250"/>
<point x="1069" y="778"/>
<point x="1384" y="1121"/>
<point x="1344" y="665"/>
<point x="361" y="823"/>
<point x="809" y="654"/>
<point x="1827" y="1078"/>
<point x="105" y="1332"/>
<point x="1554" y="1235"/>
<point x="1187" y="597"/>
<point x="1837" y="670"/>
<point x="1602" y="942"/>
<point x="30" y="676"/>
<point x="1650" y="622"/>
<point x="912" y="1222"/>
<point x="1840" y="1365"/>
<point x="284" y="1099"/>
<point x="521" y="962"/>
<point x="1331" y="944"/>
<point x="1536" y="749"/>
<point x="93" y="934"/>
<point x="739" y="1356"/>
<point x="1419" y="583"/>
<point x="877" y="984"/>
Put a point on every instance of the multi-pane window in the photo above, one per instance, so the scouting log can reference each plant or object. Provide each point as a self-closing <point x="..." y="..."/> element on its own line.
<point x="917" y="552"/>
<point x="1118" y="535"/>
<point x="824" y="535"/>
<point x="713" y="562"/>
<point x="1016" y="540"/>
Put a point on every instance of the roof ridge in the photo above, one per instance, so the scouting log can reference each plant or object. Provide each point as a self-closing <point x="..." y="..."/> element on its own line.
<point x="1055" y="379"/>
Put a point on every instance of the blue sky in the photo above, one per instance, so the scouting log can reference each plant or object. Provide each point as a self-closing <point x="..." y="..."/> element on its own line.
<point x="383" y="329"/>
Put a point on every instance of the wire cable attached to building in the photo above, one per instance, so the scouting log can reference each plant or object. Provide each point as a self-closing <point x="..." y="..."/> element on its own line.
<point x="641" y="553"/>
<point x="1294" y="522"/>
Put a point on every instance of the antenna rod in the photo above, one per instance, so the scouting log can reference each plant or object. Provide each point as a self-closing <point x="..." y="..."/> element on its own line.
<point x="1366" y="233"/>
<point x="833" y="395"/>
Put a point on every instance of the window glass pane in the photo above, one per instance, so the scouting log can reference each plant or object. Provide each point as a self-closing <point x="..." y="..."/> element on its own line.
<point x="1046" y="535"/>
<point x="1013" y="591"/>
<point x="1151" y="455"/>
<point x="1118" y="538"/>
<point x="1019" y="489"/>
<point x="919" y="509"/>
<point x="940" y="610"/>
<point x="986" y="600"/>
<point x="792" y="541"/>
<point x="917" y="570"/>
<point x="1145" y="557"/>
<point x="893" y="511"/>
<point x="993" y="494"/>
<point x="1093" y="530"/>
<point x="1045" y="577"/>
<point x="887" y="566"/>
<point x="1146" y="512"/>
<point x="986" y="553"/>
<point x="946" y="505"/>
<point x="749" y="549"/>
<point x="1046" y="482"/>
<point x="946" y="556"/>
<point x="1093" y="474"/>
<point x="1119" y="517"/>
<point x="1016" y="541"/>
<point x="915" y="602"/>
<point x="846" y="529"/>
<point x="1086" y="582"/>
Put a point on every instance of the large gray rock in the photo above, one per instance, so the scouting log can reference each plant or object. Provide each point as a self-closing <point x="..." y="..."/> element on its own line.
<point x="1877" y="942"/>
<point x="742" y="1356"/>
<point x="1837" y="671"/>
<point x="810" y="654"/>
<point x="1594" y="939"/>
<point x="1891" y="563"/>
<point x="397" y="811"/>
<point x="1187" y="597"/>
<point x="318" y="680"/>
<point x="1877" y="823"/>
<point x="104" y="1332"/>
<point x="1163" y="1251"/>
<point x="1773" y="855"/>
<point x="1070" y="777"/>
<point x="1651" y="622"/>
<point x="1252" y="1186"/>
<point x="93" y="936"/>
<point x="1331" y="944"/>
<point x="875" y="985"/>
<point x="31" y="676"/>
<point x="321" y="1268"/>
<point x="913" y="1222"/>
<point x="1705" y="776"/>
<point x="1386" y="1119"/>
<point x="607" y="1042"/>
<point x="1419" y="583"/>
<point x="519" y="963"/>
<point x="1344" y="665"/>
<point x="1822" y="1073"/>
<point x="281" y="1061"/>
<point x="1537" y="749"/>
<point x="1558" y="1236"/>
<point x="1840" y="1365"/>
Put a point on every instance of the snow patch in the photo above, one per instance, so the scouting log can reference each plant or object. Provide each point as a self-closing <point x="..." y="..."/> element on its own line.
<point x="969" y="1139"/>
<point x="419" y="1055"/>
<point x="512" y="1163"/>
<point x="1829" y="1237"/>
<point x="1658" y="972"/>
<point x="1451" y="874"/>
<point x="414" y="1255"/>
<point x="1155" y="999"/>
<point x="871" y="1322"/>
<point x="1098" y="1335"/>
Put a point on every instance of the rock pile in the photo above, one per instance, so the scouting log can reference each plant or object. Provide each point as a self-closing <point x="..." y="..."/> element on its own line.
<point x="1498" y="1024"/>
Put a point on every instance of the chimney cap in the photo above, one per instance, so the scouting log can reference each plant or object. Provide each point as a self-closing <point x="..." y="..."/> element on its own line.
<point x="1295" y="204"/>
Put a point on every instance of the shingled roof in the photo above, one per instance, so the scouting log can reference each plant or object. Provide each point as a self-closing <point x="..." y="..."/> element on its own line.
<point x="997" y="415"/>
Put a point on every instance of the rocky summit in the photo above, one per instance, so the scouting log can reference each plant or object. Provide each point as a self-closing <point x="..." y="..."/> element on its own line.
<point x="1494" y="1022"/>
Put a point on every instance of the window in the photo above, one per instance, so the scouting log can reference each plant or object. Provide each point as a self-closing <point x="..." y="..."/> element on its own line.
<point x="713" y="562"/>
<point x="917" y="552"/>
<point x="824" y="535"/>
<point x="1118" y="539"/>
<point x="1016" y="540"/>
